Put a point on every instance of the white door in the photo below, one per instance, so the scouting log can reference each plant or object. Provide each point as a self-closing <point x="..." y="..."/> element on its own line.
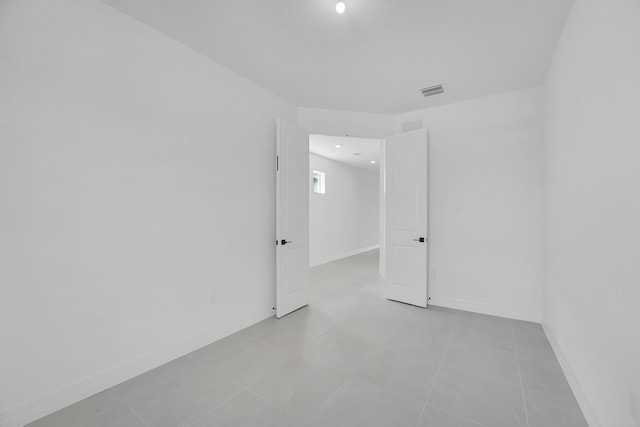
<point x="292" y="218"/>
<point x="406" y="239"/>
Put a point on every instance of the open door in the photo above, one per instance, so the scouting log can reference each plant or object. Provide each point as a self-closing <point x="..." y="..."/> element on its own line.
<point x="292" y="218"/>
<point x="406" y="239"/>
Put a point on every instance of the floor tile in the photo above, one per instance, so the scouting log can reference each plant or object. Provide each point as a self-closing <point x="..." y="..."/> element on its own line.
<point x="478" y="399"/>
<point x="119" y="416"/>
<point x="289" y="336"/>
<point x="545" y="376"/>
<point x="407" y="373"/>
<point x="249" y="410"/>
<point x="342" y="304"/>
<point x="79" y="412"/>
<point x="299" y="387"/>
<point x="181" y="399"/>
<point x="435" y="418"/>
<point x="531" y="341"/>
<point x="150" y="380"/>
<point x="483" y="358"/>
<point x="488" y="329"/>
<point x="350" y="358"/>
<point x="223" y="345"/>
<point x="369" y="330"/>
<point x="242" y="361"/>
<point x="544" y="410"/>
<point x="341" y="352"/>
<point x="521" y="327"/>
<point x="429" y="345"/>
<point x="311" y="316"/>
<point x="429" y="321"/>
<point x="360" y="404"/>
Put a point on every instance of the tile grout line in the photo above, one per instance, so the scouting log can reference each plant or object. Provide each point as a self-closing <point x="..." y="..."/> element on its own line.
<point x="435" y="378"/>
<point x="285" y="410"/>
<point x="80" y="423"/>
<point x="218" y="374"/>
<point x="215" y="408"/>
<point x="292" y="354"/>
<point x="274" y="367"/>
<point x="131" y="409"/>
<point x="475" y="374"/>
<point x="221" y="374"/>
<point x="524" y="400"/>
<point x="241" y="388"/>
<point x="297" y="351"/>
<point x="206" y="368"/>
<point x="476" y="423"/>
<point x="388" y="390"/>
<point x="555" y="396"/>
<point x="330" y="398"/>
<point x="347" y="378"/>
<point x="246" y="388"/>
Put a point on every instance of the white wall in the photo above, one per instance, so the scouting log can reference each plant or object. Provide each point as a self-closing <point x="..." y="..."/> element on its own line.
<point x="345" y="123"/>
<point x="136" y="181"/>
<point x="592" y="312"/>
<point x="486" y="162"/>
<point x="345" y="220"/>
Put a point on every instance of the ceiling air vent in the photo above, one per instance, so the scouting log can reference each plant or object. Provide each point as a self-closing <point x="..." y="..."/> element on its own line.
<point x="432" y="90"/>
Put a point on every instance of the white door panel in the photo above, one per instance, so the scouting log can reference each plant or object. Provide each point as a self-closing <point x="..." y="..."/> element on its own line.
<point x="406" y="218"/>
<point x="292" y="218"/>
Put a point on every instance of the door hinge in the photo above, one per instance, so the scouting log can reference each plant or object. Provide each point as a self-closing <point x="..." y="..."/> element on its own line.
<point x="277" y="163"/>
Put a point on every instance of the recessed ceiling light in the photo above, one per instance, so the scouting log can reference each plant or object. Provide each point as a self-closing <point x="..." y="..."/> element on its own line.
<point x="340" y="7"/>
<point x="373" y="162"/>
<point x="338" y="145"/>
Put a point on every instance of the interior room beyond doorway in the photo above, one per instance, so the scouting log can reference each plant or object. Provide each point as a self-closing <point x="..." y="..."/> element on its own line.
<point x="344" y="197"/>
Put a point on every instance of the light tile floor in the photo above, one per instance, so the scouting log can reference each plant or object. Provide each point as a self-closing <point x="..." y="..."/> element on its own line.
<point x="349" y="359"/>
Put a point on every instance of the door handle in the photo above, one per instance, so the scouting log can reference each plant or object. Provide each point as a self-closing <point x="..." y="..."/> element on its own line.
<point x="420" y="239"/>
<point x="284" y="242"/>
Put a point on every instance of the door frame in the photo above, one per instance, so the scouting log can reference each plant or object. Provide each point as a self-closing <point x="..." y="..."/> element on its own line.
<point x="382" y="194"/>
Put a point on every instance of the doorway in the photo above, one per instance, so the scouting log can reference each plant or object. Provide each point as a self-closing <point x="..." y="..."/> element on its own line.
<point x="401" y="234"/>
<point x="344" y="217"/>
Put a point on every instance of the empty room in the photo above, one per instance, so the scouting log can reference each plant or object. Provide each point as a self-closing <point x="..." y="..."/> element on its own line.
<point x="418" y="213"/>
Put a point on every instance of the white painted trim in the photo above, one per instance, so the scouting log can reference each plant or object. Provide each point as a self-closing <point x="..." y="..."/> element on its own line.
<point x="324" y="260"/>
<point x="41" y="406"/>
<point x="578" y="392"/>
<point x="490" y="309"/>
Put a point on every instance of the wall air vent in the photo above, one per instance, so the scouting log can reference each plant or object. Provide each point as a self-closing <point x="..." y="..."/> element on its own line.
<point x="432" y="90"/>
<point x="409" y="126"/>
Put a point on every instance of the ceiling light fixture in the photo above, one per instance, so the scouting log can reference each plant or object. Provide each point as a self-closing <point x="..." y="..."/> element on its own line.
<point x="373" y="162"/>
<point x="341" y="7"/>
<point x="338" y="145"/>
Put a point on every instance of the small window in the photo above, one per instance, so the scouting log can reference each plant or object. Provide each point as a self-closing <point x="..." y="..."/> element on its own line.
<point x="318" y="182"/>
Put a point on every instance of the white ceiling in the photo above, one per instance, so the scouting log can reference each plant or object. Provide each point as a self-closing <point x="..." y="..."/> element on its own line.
<point x="368" y="149"/>
<point x="376" y="56"/>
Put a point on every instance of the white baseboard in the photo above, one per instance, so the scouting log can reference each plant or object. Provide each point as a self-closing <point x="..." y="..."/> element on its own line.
<point x="578" y="392"/>
<point x="490" y="309"/>
<point x="41" y="406"/>
<point x="319" y="261"/>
